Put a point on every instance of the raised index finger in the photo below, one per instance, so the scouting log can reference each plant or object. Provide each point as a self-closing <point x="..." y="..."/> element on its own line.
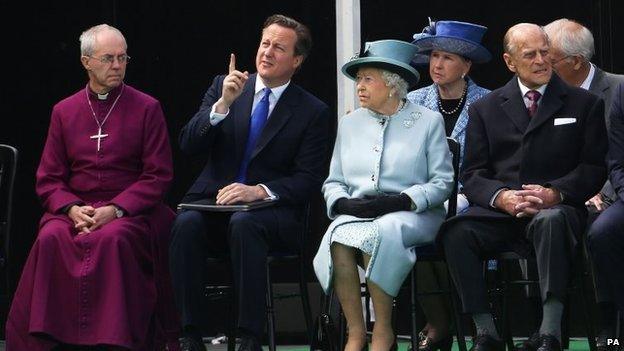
<point x="232" y="66"/>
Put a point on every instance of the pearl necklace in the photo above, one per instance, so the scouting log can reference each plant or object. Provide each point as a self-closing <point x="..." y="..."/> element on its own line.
<point x="461" y="101"/>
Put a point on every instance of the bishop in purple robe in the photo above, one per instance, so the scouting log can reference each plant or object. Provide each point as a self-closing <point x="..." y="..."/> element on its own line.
<point x="97" y="273"/>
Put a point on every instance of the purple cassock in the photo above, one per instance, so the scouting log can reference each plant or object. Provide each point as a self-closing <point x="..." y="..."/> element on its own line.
<point x="110" y="286"/>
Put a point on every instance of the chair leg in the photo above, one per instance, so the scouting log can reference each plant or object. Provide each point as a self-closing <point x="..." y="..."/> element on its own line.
<point x="589" y="325"/>
<point x="565" y="323"/>
<point x="305" y="301"/>
<point x="269" y="310"/>
<point x="367" y="305"/>
<point x="506" y="327"/>
<point x="231" y="333"/>
<point x="414" y="332"/>
<point x="459" y="327"/>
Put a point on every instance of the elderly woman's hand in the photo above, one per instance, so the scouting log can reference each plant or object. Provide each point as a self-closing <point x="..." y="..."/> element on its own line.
<point x="372" y="207"/>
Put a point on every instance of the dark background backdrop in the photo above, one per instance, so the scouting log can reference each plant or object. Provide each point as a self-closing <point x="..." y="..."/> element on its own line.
<point x="177" y="47"/>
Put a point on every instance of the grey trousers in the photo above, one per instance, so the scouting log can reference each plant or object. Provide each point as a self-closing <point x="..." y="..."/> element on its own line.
<point x="552" y="236"/>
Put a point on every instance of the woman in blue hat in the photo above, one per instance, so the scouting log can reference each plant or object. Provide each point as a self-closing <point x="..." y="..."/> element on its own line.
<point x="390" y="174"/>
<point x="450" y="48"/>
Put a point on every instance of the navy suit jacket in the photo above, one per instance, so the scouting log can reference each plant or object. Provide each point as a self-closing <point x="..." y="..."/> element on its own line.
<point x="616" y="142"/>
<point x="505" y="148"/>
<point x="290" y="157"/>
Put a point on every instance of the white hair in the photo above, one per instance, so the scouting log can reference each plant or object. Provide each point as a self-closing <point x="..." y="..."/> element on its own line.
<point x="509" y="42"/>
<point x="87" y="38"/>
<point x="396" y="82"/>
<point x="571" y="38"/>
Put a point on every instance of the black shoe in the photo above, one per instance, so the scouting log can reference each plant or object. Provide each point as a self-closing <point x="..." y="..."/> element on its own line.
<point x="549" y="343"/>
<point x="427" y="344"/>
<point x="190" y="344"/>
<point x="249" y="343"/>
<point x="487" y="343"/>
<point x="531" y="344"/>
<point x="601" y="340"/>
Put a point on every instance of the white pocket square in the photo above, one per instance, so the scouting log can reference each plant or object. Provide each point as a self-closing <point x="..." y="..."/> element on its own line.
<point x="561" y="121"/>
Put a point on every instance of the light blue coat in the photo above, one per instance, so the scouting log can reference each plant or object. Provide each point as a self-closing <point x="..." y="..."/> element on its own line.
<point x="405" y="153"/>
<point x="428" y="97"/>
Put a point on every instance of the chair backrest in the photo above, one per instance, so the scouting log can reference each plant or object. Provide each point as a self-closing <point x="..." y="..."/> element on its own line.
<point x="455" y="149"/>
<point x="8" y="166"/>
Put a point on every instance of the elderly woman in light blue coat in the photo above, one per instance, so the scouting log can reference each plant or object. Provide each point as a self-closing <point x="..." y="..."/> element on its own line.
<point x="390" y="174"/>
<point x="449" y="48"/>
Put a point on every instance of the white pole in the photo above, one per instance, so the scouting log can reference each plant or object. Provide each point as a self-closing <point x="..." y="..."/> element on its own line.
<point x="347" y="45"/>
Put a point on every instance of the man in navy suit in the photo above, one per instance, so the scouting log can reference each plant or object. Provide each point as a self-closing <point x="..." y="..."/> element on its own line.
<point x="606" y="235"/>
<point x="284" y="159"/>
<point x="535" y="152"/>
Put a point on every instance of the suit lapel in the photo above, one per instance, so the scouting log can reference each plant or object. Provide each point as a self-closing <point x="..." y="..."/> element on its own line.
<point x="599" y="84"/>
<point x="550" y="103"/>
<point x="242" y="113"/>
<point x="279" y="116"/>
<point x="514" y="106"/>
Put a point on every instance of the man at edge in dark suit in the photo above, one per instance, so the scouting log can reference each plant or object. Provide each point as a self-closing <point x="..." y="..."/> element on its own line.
<point x="535" y="152"/>
<point x="265" y="137"/>
<point x="606" y="235"/>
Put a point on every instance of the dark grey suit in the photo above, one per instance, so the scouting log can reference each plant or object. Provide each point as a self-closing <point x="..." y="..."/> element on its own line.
<point x="562" y="146"/>
<point x="603" y="85"/>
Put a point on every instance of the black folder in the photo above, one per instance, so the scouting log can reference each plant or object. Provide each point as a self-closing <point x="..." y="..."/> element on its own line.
<point x="209" y="205"/>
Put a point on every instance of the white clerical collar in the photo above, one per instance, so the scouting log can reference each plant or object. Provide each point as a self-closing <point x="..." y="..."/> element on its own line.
<point x="102" y="96"/>
<point x="524" y="89"/>
<point x="590" y="76"/>
<point x="277" y="91"/>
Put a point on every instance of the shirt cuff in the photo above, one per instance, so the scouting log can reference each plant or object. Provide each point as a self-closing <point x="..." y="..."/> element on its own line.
<point x="493" y="199"/>
<point x="66" y="209"/>
<point x="269" y="192"/>
<point x="216" y="118"/>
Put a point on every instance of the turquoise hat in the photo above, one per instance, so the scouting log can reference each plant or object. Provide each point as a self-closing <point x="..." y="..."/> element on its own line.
<point x="391" y="55"/>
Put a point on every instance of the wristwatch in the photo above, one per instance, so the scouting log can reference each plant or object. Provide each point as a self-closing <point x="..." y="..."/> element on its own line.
<point x="118" y="212"/>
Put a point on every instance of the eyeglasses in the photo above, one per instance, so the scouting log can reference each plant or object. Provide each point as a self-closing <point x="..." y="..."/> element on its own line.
<point x="109" y="59"/>
<point x="554" y="62"/>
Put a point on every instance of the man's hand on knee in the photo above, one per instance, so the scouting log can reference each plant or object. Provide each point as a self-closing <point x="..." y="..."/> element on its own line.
<point x="240" y="193"/>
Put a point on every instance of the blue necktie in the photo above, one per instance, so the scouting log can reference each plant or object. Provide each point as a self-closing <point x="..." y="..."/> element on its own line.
<point x="256" y="124"/>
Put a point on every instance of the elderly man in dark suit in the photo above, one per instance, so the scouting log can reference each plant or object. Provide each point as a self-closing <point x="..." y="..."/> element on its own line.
<point x="265" y="138"/>
<point x="535" y="152"/>
<point x="571" y="49"/>
<point x="606" y="235"/>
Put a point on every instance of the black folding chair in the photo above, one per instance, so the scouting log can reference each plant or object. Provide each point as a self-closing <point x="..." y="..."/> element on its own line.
<point x="274" y="259"/>
<point x="430" y="253"/>
<point x="579" y="274"/>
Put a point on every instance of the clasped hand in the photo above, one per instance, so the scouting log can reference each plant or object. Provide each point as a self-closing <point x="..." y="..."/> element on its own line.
<point x="87" y="219"/>
<point x="373" y="207"/>
<point x="528" y="201"/>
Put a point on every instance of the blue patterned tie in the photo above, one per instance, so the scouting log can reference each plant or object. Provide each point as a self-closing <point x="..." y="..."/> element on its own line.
<point x="256" y="124"/>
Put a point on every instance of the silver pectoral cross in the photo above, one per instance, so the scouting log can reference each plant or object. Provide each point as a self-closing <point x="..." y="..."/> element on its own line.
<point x="99" y="137"/>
